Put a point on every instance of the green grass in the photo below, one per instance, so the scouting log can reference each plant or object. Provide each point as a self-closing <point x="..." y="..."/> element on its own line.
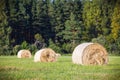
<point x="12" y="68"/>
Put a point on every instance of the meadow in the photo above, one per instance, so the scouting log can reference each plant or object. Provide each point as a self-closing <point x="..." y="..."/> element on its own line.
<point x="12" y="68"/>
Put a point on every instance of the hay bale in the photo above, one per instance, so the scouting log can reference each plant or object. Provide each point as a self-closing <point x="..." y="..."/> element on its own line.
<point x="90" y="54"/>
<point x="58" y="55"/>
<point x="24" y="54"/>
<point x="45" y="55"/>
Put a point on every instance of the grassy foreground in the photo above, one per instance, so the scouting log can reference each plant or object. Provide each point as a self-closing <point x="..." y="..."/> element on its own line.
<point x="12" y="68"/>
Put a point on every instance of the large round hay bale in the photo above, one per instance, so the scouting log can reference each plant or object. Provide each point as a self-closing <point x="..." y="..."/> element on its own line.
<point x="45" y="55"/>
<point x="90" y="54"/>
<point x="24" y="54"/>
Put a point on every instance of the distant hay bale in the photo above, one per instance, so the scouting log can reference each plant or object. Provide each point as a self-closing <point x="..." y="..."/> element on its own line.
<point x="24" y="54"/>
<point x="90" y="54"/>
<point x="58" y="55"/>
<point x="45" y="55"/>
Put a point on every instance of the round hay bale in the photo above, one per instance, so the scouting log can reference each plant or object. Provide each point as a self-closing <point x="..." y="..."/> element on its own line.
<point x="90" y="54"/>
<point x="45" y="55"/>
<point x="58" y="55"/>
<point x="24" y="54"/>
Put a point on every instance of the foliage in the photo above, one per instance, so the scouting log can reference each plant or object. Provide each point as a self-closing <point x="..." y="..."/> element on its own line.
<point x="101" y="40"/>
<point x="72" y="27"/>
<point x="116" y="21"/>
<point x="39" y="37"/>
<point x="16" y="48"/>
<point x="33" y="49"/>
<point x="66" y="22"/>
<point x="55" y="47"/>
<point x="24" y="45"/>
<point x="5" y="31"/>
<point x="67" y="48"/>
<point x="114" y="47"/>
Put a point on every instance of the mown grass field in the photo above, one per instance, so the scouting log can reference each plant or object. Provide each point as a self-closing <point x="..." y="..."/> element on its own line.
<point x="12" y="68"/>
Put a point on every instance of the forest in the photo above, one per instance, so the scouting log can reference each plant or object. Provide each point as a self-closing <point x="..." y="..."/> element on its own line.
<point x="59" y="24"/>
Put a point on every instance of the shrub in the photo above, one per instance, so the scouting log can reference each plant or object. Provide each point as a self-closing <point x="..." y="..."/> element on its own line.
<point x="33" y="49"/>
<point x="55" y="47"/>
<point x="16" y="48"/>
<point x="67" y="48"/>
<point x="24" y="45"/>
<point x="101" y="40"/>
<point x="5" y="50"/>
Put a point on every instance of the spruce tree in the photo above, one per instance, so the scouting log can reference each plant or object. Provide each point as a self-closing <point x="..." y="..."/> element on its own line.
<point x="72" y="30"/>
<point x="5" y="31"/>
<point x="59" y="27"/>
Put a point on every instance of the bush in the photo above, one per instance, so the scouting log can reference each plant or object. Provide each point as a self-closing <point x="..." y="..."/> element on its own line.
<point x="55" y="47"/>
<point x="24" y="45"/>
<point x="5" y="50"/>
<point x="16" y="48"/>
<point x="114" y="47"/>
<point x="67" y="48"/>
<point x="101" y="40"/>
<point x="111" y="45"/>
<point x="33" y="49"/>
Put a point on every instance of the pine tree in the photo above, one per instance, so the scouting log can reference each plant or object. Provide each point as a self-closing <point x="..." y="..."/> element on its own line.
<point x="68" y="7"/>
<point x="77" y="9"/>
<point x="17" y="20"/>
<point x="5" y="31"/>
<point x="20" y="19"/>
<point x="28" y="4"/>
<point x="51" y="14"/>
<point x="59" y="27"/>
<point x="72" y="30"/>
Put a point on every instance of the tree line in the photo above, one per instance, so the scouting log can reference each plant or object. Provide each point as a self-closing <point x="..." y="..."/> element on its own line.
<point x="60" y="24"/>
